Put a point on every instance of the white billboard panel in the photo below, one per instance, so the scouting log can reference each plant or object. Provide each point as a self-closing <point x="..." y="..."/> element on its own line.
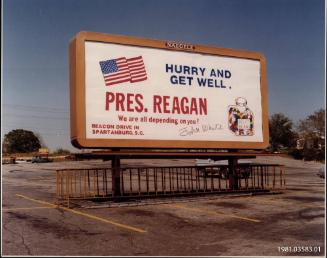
<point x="143" y="94"/>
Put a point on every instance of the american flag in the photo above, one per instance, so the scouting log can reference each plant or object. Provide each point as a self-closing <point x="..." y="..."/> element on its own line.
<point x="123" y="70"/>
<point x="137" y="69"/>
<point x="115" y="71"/>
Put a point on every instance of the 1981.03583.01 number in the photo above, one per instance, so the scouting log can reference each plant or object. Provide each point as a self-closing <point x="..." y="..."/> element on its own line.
<point x="299" y="249"/>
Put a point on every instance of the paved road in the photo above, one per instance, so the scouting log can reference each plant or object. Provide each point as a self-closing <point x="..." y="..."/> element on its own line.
<point x="291" y="223"/>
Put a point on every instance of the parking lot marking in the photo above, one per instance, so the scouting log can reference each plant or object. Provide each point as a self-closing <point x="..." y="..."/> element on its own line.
<point x="214" y="212"/>
<point x="38" y="201"/>
<point x="131" y="228"/>
<point x="139" y="230"/>
<point x="25" y="208"/>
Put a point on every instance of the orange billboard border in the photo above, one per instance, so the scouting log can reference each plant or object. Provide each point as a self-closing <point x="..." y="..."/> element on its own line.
<point x="77" y="94"/>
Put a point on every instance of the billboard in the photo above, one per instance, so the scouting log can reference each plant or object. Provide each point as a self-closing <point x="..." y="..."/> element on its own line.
<point x="144" y="93"/>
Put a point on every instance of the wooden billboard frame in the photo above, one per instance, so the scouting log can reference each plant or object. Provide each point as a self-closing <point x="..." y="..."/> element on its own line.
<point x="77" y="94"/>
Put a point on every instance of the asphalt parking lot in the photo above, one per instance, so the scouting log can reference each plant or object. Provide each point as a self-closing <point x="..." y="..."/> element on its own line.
<point x="287" y="223"/>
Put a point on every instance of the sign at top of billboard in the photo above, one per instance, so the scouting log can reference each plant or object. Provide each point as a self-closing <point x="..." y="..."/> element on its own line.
<point x="132" y="92"/>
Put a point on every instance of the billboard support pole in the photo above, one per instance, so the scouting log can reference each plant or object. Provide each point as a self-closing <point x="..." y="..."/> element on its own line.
<point x="232" y="173"/>
<point x="115" y="166"/>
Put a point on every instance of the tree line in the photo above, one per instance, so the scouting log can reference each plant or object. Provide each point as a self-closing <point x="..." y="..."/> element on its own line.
<point x="306" y="140"/>
<point x="24" y="141"/>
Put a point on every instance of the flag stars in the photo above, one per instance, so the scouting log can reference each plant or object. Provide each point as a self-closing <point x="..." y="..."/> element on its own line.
<point x="109" y="66"/>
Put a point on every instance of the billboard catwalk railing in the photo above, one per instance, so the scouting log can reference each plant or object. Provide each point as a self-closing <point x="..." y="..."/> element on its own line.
<point x="164" y="181"/>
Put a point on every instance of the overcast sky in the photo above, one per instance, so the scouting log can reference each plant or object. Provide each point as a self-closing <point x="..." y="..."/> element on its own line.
<point x="36" y="35"/>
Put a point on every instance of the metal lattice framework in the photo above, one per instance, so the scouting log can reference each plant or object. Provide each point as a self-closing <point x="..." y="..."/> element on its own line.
<point x="164" y="181"/>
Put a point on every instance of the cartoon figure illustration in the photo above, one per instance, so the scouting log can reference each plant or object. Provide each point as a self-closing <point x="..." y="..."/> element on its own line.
<point x="240" y="118"/>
